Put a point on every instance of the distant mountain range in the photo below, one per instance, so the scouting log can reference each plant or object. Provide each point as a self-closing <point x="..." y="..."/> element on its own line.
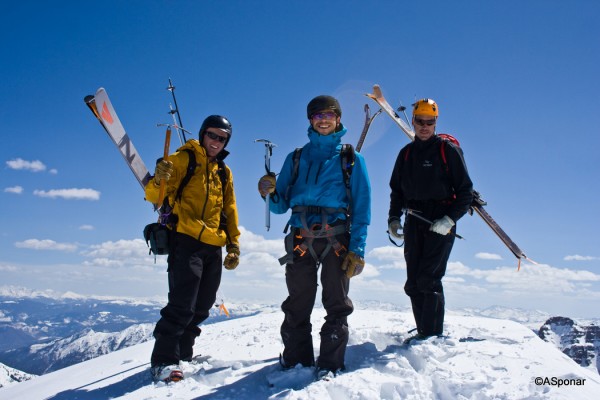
<point x="43" y="332"/>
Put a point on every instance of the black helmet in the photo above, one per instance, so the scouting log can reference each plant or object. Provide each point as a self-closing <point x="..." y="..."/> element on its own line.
<point x="321" y="103"/>
<point x="215" y="121"/>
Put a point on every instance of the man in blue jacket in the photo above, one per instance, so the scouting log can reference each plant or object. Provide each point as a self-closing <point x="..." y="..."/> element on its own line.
<point x="326" y="186"/>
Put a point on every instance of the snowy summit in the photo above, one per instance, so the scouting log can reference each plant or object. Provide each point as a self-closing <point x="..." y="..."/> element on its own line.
<point x="481" y="358"/>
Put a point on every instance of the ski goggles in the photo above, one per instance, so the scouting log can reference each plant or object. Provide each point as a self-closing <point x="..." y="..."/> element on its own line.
<point x="214" y="136"/>
<point x="324" y="115"/>
<point x="422" y="122"/>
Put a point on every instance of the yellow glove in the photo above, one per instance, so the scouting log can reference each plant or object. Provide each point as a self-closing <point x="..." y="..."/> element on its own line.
<point x="163" y="170"/>
<point x="266" y="184"/>
<point x="353" y="264"/>
<point x="232" y="259"/>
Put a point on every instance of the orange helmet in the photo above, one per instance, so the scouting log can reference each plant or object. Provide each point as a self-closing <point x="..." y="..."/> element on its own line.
<point x="426" y="107"/>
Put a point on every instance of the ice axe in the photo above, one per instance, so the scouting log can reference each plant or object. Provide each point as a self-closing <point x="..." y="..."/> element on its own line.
<point x="415" y="214"/>
<point x="163" y="183"/>
<point x="268" y="152"/>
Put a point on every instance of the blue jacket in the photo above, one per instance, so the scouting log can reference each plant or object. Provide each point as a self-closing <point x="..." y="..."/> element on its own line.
<point x="320" y="182"/>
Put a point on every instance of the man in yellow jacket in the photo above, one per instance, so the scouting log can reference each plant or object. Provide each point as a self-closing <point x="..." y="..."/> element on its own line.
<point x="203" y="218"/>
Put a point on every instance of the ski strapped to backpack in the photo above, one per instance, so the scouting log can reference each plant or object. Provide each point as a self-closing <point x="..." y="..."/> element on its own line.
<point x="322" y="230"/>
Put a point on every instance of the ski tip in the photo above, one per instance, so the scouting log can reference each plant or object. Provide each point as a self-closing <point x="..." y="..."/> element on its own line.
<point x="377" y="90"/>
<point x="377" y="94"/>
<point x="89" y="98"/>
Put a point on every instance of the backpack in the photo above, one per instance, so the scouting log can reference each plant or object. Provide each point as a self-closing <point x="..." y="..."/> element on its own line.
<point x="156" y="234"/>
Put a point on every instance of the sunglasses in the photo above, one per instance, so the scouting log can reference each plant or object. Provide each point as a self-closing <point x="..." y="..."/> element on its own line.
<point x="325" y="115"/>
<point x="214" y="136"/>
<point x="422" y="122"/>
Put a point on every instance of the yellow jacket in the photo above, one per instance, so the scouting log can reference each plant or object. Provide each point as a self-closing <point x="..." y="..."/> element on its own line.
<point x="201" y="203"/>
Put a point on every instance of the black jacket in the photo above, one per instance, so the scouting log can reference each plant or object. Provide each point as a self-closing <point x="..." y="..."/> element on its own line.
<point x="420" y="176"/>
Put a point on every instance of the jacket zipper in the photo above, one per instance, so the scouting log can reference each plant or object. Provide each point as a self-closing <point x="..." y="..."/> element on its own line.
<point x="205" y="201"/>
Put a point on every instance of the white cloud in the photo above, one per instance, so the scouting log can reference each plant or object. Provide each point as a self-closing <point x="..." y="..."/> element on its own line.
<point x="118" y="249"/>
<point x="45" y="244"/>
<point x="387" y="253"/>
<point x="252" y="242"/>
<point x="581" y="258"/>
<point x="14" y="189"/>
<point x="53" y="171"/>
<point x="86" y="228"/>
<point x="19" y="163"/>
<point x="8" y="268"/>
<point x="488" y="256"/>
<point x="69" y="194"/>
<point x="530" y="280"/>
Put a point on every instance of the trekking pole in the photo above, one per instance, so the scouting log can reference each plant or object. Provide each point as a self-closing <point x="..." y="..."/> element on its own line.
<point x="368" y="120"/>
<point x="414" y="213"/>
<point x="403" y="110"/>
<point x="268" y="152"/>
<point x="179" y="126"/>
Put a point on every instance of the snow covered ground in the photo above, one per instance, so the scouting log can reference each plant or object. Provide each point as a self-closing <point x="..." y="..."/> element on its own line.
<point x="482" y="358"/>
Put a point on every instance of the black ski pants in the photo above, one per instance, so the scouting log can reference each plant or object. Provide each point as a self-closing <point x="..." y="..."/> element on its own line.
<point x="301" y="280"/>
<point x="194" y="270"/>
<point x="426" y="254"/>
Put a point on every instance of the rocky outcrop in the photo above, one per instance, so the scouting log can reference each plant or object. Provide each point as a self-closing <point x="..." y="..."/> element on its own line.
<point x="579" y="342"/>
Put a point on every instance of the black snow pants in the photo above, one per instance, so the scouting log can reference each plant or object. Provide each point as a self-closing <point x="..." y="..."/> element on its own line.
<point x="301" y="279"/>
<point x="426" y="254"/>
<point x="194" y="276"/>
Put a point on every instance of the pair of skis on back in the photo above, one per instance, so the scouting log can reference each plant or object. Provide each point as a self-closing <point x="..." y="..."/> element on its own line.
<point x="478" y="202"/>
<point x="103" y="110"/>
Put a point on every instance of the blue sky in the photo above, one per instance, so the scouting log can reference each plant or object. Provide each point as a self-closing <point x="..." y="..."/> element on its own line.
<point x="516" y="82"/>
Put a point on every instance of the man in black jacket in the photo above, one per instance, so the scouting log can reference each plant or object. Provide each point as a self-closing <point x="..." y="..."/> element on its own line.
<point x="429" y="178"/>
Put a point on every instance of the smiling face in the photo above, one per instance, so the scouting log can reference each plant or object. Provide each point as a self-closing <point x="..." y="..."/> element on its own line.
<point x="214" y="141"/>
<point x="325" y="122"/>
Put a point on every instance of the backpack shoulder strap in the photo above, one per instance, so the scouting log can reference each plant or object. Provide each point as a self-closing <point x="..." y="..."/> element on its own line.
<point x="445" y="139"/>
<point x="188" y="174"/>
<point x="407" y="151"/>
<point x="347" y="157"/>
<point x="296" y="159"/>
<point x="295" y="168"/>
<point x="222" y="171"/>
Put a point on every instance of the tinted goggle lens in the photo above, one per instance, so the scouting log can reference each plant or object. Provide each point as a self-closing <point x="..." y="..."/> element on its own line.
<point x="421" y="122"/>
<point x="214" y="136"/>
<point x="325" y="115"/>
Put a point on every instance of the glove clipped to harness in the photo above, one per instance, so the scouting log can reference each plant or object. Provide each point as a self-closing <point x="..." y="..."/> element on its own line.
<point x="353" y="264"/>
<point x="394" y="226"/>
<point x="442" y="225"/>
<point x="163" y="170"/>
<point x="232" y="260"/>
<point x="266" y="184"/>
